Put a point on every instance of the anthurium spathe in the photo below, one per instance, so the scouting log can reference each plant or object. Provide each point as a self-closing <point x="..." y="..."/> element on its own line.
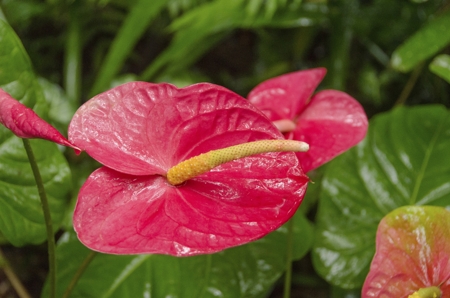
<point x="412" y="256"/>
<point x="25" y="123"/>
<point x="144" y="134"/>
<point x="330" y="121"/>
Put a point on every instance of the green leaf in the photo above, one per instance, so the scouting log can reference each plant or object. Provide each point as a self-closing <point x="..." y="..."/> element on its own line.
<point x="196" y="32"/>
<point x="16" y="75"/>
<point x="295" y="14"/>
<point x="404" y="160"/>
<point x="200" y="29"/>
<point x="140" y="16"/>
<point x="425" y="43"/>
<point x="441" y="67"/>
<point x="246" y="271"/>
<point x="21" y="219"/>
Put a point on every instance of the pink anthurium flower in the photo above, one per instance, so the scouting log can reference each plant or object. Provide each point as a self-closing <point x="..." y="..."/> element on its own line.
<point x="412" y="256"/>
<point x="330" y="121"/>
<point x="163" y="187"/>
<point x="25" y="123"/>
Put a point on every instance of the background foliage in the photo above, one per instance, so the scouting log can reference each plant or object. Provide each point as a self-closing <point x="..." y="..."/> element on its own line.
<point x="393" y="56"/>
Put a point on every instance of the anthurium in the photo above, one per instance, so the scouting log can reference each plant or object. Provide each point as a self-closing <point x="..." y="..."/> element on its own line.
<point x="412" y="256"/>
<point x="330" y="121"/>
<point x="25" y="123"/>
<point x="186" y="171"/>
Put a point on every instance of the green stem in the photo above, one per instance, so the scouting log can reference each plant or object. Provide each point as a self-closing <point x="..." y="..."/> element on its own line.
<point x="79" y="273"/>
<point x="72" y="59"/>
<point x="342" y="21"/>
<point x="12" y="277"/>
<point x="47" y="217"/>
<point x="288" y="275"/>
<point x="409" y="85"/>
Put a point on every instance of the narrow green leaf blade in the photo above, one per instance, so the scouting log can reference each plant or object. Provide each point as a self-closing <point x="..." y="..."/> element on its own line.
<point x="140" y="16"/>
<point x="404" y="160"/>
<point x="441" y="67"/>
<point x="423" y="44"/>
<point x="21" y="218"/>
<point x="196" y="31"/>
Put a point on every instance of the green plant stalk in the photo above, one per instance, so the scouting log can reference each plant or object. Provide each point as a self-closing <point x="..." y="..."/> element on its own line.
<point x="288" y="275"/>
<point x="47" y="216"/>
<point x="409" y="85"/>
<point x="79" y="273"/>
<point x="340" y="41"/>
<point x="72" y="60"/>
<point x="12" y="277"/>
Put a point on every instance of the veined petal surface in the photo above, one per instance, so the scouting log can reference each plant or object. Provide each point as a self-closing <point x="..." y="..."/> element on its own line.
<point x="140" y="130"/>
<point x="333" y="122"/>
<point x="286" y="96"/>
<point x="330" y="121"/>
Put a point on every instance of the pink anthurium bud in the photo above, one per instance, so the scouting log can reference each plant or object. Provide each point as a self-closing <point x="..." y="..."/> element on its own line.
<point x="25" y="123"/>
<point x="176" y="179"/>
<point x="412" y="256"/>
<point x="330" y="121"/>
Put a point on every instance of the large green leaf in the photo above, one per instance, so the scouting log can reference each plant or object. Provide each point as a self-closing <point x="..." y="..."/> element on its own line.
<point x="404" y="160"/>
<point x="246" y="271"/>
<point x="16" y="75"/>
<point x="423" y="44"/>
<point x="21" y="219"/>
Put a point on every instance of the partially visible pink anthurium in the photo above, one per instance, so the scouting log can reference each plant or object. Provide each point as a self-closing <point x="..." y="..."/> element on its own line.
<point x="25" y="123"/>
<point x="145" y="135"/>
<point x="412" y="258"/>
<point x="330" y="121"/>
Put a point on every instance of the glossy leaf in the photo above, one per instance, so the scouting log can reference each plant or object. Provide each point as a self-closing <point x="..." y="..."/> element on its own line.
<point x="21" y="219"/>
<point x="330" y="121"/>
<point x="402" y="161"/>
<point x="16" y="75"/>
<point x="139" y="131"/>
<point x="246" y="271"/>
<point x="423" y="44"/>
<point x="412" y="253"/>
<point x="441" y="67"/>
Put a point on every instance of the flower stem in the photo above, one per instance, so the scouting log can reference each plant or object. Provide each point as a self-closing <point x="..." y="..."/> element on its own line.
<point x="288" y="275"/>
<point x="47" y="217"/>
<point x="409" y="85"/>
<point x="79" y="273"/>
<point x="12" y="277"/>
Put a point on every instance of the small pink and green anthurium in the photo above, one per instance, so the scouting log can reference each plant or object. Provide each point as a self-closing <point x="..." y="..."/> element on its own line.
<point x="412" y="258"/>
